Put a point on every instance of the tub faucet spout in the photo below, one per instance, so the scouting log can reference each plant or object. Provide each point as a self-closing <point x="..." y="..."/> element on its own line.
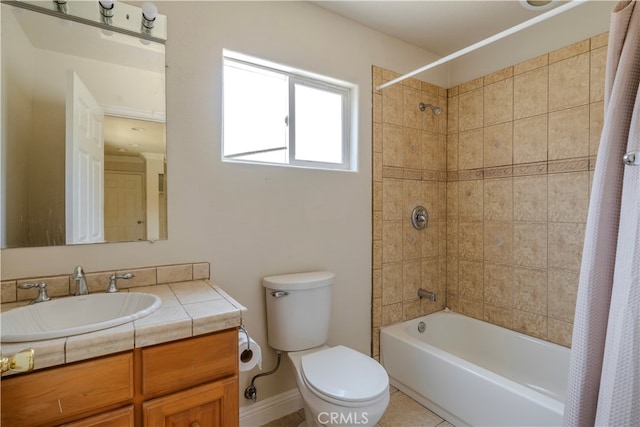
<point x="422" y="293"/>
<point x="81" y="283"/>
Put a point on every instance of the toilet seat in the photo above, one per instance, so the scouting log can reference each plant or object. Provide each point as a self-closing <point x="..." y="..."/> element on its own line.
<point x="344" y="376"/>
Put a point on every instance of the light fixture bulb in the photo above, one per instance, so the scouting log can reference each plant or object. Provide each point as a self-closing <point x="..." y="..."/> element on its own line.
<point x="149" y="13"/>
<point x="106" y="7"/>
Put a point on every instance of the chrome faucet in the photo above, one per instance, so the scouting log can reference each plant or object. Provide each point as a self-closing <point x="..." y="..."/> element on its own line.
<point x="422" y="293"/>
<point x="81" y="283"/>
<point x="42" y="291"/>
<point x="112" y="281"/>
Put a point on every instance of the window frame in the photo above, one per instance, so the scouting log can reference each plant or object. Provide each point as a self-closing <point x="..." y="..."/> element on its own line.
<point x="297" y="77"/>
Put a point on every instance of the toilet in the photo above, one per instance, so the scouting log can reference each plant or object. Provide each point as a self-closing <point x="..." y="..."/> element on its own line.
<point x="339" y="385"/>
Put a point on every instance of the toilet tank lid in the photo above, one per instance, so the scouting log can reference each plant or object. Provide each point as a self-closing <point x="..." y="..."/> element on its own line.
<point x="299" y="281"/>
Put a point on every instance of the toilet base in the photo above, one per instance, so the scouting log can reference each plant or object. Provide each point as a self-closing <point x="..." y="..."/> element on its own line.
<point x="320" y="413"/>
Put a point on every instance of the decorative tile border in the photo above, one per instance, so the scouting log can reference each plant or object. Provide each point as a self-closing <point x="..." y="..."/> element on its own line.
<point x="580" y="164"/>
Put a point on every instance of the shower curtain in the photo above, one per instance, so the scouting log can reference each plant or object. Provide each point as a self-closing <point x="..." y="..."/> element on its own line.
<point x="604" y="372"/>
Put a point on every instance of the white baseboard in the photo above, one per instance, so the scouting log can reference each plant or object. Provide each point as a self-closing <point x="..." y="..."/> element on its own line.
<point x="271" y="408"/>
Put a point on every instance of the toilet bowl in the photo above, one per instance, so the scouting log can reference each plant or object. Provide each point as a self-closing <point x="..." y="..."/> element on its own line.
<point x="340" y="386"/>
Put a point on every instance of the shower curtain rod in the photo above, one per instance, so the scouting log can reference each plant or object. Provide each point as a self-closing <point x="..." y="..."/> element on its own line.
<point x="526" y="24"/>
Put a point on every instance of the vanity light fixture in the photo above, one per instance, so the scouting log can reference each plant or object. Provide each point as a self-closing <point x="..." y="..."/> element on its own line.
<point x="149" y="13"/>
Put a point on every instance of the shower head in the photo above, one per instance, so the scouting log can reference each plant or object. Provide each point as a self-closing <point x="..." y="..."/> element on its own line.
<point x="436" y="110"/>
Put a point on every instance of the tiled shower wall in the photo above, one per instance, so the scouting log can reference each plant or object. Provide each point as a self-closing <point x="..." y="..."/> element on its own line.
<point x="520" y="149"/>
<point x="409" y="170"/>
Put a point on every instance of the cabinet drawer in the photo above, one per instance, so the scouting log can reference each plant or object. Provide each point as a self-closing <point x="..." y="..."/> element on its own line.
<point x="117" y="418"/>
<point x="65" y="393"/>
<point x="178" y="365"/>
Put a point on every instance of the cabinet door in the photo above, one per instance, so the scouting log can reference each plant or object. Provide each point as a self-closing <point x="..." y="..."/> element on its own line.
<point x="209" y="405"/>
<point x="117" y="418"/>
<point x="67" y="393"/>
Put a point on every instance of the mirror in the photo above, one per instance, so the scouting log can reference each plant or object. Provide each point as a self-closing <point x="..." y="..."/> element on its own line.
<point x="52" y="191"/>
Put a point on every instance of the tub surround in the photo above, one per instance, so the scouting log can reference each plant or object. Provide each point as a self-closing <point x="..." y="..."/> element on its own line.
<point x="189" y="308"/>
<point x="509" y="190"/>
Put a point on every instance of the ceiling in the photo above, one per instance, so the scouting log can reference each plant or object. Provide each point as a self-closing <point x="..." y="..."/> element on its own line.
<point x="443" y="27"/>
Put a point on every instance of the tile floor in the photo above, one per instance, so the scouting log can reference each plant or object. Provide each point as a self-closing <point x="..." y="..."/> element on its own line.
<point x="402" y="412"/>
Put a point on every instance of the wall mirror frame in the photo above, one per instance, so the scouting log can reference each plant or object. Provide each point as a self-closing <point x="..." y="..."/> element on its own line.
<point x="83" y="114"/>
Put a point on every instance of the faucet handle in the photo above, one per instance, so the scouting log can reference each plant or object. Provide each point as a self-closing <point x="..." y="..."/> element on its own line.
<point x="42" y="291"/>
<point x="112" y="281"/>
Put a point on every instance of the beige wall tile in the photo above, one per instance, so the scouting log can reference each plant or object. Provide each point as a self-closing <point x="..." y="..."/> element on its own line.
<point x="377" y="108"/>
<point x="175" y="273"/>
<point x="470" y="110"/>
<point x="377" y="225"/>
<point x="430" y="153"/>
<point x="98" y="282"/>
<point x="412" y="146"/>
<point x="377" y="196"/>
<point x="391" y="283"/>
<point x="498" y="102"/>
<point x="530" y="324"/>
<point x="498" y="199"/>
<point x="414" y="194"/>
<point x="392" y="190"/>
<point x="411" y="280"/>
<point x="597" y="76"/>
<point x="470" y="149"/>
<point x="530" y="198"/>
<point x="498" y="284"/>
<point x="569" y="51"/>
<point x="498" y="241"/>
<point x="452" y="152"/>
<point x="452" y="199"/>
<point x="501" y="316"/>
<point x="569" y="82"/>
<point x="596" y="122"/>
<point x="499" y="75"/>
<point x="142" y="277"/>
<point x="430" y="238"/>
<point x="531" y="64"/>
<point x="452" y="275"/>
<point x="201" y="271"/>
<point x="376" y="254"/>
<point x="452" y="237"/>
<point x="453" y="122"/>
<point x="411" y="114"/>
<point x="530" y="93"/>
<point x="391" y="241"/>
<point x="392" y="102"/>
<point x="530" y="139"/>
<point x="530" y="244"/>
<point x="470" y="279"/>
<point x="377" y="137"/>
<point x="560" y="332"/>
<point x="498" y="144"/>
<point x="568" y="197"/>
<point x="565" y="245"/>
<point x="600" y="40"/>
<point x="563" y="287"/>
<point x="377" y="167"/>
<point x="9" y="291"/>
<point x="530" y="290"/>
<point x="376" y="312"/>
<point x="392" y="145"/>
<point x="376" y="280"/>
<point x="470" y="199"/>
<point x="430" y="275"/>
<point x="470" y="245"/>
<point x="412" y="242"/>
<point x="471" y="85"/>
<point x="391" y="314"/>
<point x="569" y="133"/>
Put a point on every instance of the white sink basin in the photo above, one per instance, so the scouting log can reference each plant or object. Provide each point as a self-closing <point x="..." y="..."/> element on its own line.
<point x="64" y="317"/>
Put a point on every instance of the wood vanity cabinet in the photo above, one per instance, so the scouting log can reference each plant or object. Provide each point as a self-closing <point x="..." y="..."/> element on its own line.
<point x="191" y="382"/>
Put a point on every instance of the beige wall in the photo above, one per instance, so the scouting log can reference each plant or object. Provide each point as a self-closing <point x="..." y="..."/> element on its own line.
<point x="521" y="145"/>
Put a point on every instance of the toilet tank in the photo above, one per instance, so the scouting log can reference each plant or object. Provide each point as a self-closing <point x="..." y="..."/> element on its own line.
<point x="298" y="309"/>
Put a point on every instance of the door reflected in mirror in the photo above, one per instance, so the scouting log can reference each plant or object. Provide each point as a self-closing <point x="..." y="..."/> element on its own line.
<point x="89" y="173"/>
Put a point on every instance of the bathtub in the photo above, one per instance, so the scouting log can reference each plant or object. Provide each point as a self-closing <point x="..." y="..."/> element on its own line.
<point x="471" y="372"/>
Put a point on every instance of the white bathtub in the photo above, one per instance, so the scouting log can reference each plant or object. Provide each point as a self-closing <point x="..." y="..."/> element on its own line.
<point x="474" y="373"/>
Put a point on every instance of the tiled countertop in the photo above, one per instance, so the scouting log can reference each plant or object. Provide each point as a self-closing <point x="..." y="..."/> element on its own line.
<point x="188" y="309"/>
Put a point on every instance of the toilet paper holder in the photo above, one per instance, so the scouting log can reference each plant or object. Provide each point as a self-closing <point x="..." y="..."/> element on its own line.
<point x="247" y="354"/>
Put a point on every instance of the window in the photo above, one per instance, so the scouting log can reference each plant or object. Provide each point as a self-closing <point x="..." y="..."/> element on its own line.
<point x="275" y="115"/>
